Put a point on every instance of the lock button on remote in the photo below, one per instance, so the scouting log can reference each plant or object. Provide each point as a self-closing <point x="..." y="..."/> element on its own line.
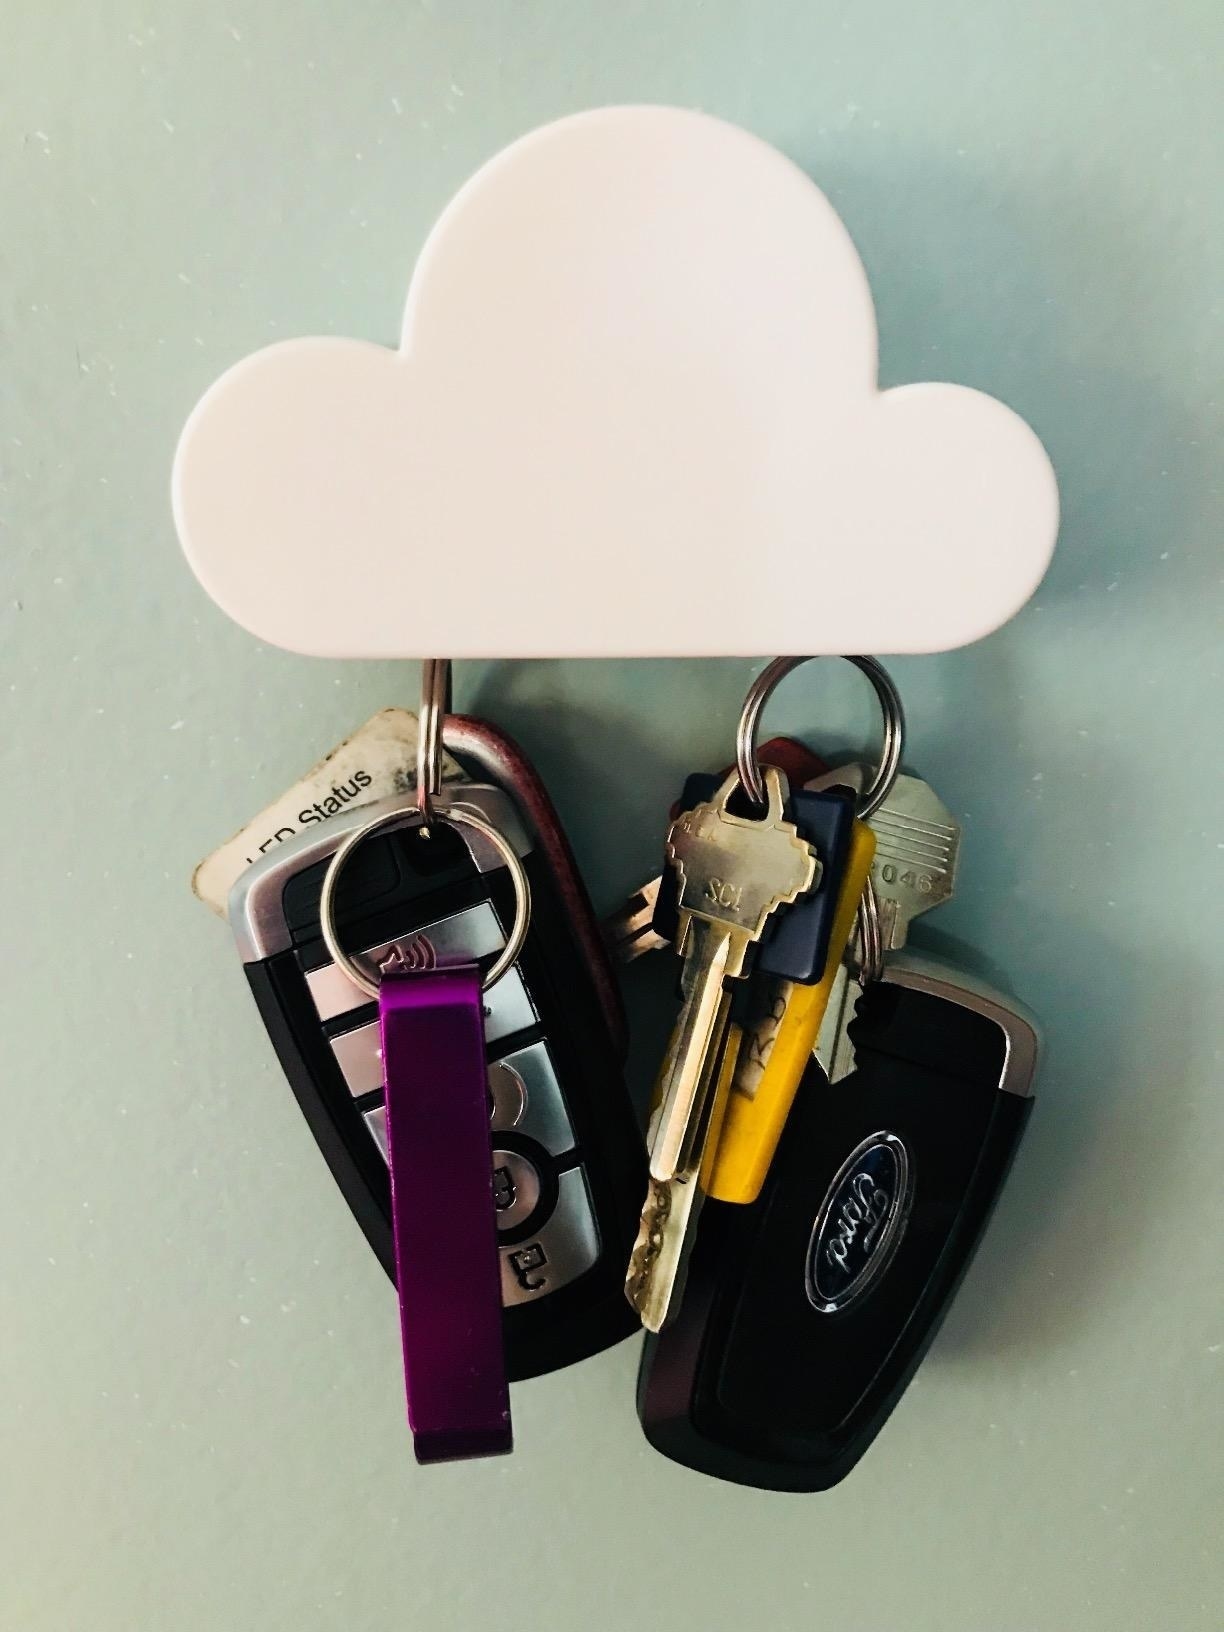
<point x="517" y="1189"/>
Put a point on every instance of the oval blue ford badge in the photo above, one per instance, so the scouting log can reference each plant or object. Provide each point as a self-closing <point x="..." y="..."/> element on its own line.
<point x="860" y="1223"/>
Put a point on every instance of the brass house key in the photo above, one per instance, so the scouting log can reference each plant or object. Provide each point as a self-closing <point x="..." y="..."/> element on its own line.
<point x="733" y="873"/>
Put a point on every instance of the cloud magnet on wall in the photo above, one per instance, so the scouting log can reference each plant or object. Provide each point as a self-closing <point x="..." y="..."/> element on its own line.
<point x="634" y="413"/>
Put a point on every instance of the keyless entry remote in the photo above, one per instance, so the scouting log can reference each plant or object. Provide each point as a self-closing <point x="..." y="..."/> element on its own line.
<point x="807" y="1312"/>
<point x="568" y="1163"/>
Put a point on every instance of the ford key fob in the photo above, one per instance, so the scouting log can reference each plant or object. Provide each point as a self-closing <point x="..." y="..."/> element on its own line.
<point x="568" y="1162"/>
<point x="807" y="1312"/>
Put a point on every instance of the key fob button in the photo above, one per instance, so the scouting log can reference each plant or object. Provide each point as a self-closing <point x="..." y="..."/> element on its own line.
<point x="376" y="1121"/>
<point x="507" y="1095"/>
<point x="516" y="1188"/>
<point x="525" y="1095"/>
<point x="519" y="1184"/>
<point x="561" y="1250"/>
<point x="508" y="1009"/>
<point x="359" y="1056"/>
<point x="475" y="933"/>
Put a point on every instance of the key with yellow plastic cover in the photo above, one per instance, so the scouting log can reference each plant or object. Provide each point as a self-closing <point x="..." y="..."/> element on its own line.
<point x="777" y="1046"/>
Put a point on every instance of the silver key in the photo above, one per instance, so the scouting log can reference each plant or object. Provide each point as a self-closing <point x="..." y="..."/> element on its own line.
<point x="834" y="1050"/>
<point x="917" y="850"/>
<point x="629" y="932"/>
<point x="733" y="873"/>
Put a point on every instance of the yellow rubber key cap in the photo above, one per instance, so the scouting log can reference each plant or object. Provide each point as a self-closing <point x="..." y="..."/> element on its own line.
<point x="776" y="1050"/>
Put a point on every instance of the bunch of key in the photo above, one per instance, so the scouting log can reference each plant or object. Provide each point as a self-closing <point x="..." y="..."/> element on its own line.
<point x="830" y="1127"/>
<point x="832" y="1122"/>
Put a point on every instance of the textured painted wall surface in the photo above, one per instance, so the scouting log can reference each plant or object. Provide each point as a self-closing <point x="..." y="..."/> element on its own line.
<point x="199" y="1392"/>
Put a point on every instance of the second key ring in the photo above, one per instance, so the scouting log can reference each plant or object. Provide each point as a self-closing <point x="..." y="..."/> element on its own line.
<point x="763" y="688"/>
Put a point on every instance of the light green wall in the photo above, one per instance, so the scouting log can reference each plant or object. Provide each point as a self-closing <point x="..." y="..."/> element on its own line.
<point x="200" y="1414"/>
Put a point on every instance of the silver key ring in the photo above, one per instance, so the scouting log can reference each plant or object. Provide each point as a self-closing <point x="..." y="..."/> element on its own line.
<point x="869" y="952"/>
<point x="435" y="704"/>
<point x="456" y="816"/>
<point x="763" y="688"/>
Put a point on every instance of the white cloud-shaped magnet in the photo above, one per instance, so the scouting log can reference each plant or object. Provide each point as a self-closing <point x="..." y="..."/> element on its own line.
<point x="634" y="413"/>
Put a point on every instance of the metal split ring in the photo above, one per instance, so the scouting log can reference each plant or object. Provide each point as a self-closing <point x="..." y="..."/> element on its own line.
<point x="869" y="937"/>
<point x="435" y="705"/>
<point x="869" y="950"/>
<point x="763" y="688"/>
<point x="457" y="816"/>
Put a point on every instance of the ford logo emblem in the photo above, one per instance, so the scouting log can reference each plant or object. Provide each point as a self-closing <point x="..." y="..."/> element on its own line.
<point x="860" y="1223"/>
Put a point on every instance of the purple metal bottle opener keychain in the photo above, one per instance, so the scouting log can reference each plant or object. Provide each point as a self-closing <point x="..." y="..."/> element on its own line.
<point x="436" y="1093"/>
<point x="446" y="1265"/>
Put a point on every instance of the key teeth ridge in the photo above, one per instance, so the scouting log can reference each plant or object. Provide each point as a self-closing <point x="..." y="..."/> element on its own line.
<point x="655" y="1211"/>
<point x="854" y="1023"/>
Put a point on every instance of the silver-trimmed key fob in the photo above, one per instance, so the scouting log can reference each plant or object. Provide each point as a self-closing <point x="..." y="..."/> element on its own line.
<point x="567" y="1153"/>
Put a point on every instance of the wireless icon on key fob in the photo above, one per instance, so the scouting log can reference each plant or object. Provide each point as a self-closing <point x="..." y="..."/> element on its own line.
<point x="568" y="1165"/>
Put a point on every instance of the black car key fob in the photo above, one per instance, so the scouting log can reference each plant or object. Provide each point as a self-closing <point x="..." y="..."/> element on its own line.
<point x="807" y="1312"/>
<point x="569" y="1169"/>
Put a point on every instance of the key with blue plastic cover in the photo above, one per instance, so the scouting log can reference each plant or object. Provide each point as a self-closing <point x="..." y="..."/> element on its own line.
<point x="780" y="1013"/>
<point x="796" y="944"/>
<point x="630" y="931"/>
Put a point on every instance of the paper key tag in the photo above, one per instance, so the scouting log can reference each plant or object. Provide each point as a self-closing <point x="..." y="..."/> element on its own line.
<point x="376" y="761"/>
